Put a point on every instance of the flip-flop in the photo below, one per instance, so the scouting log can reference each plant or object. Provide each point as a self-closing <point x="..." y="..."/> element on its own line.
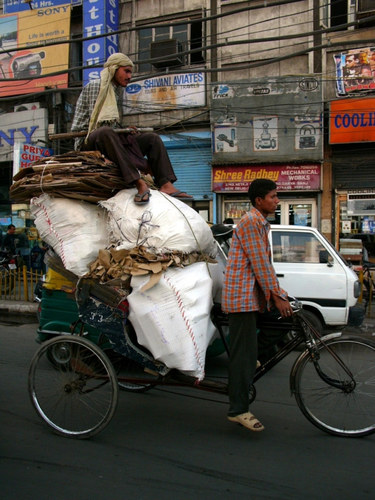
<point x="139" y="198"/>
<point x="249" y="421"/>
<point x="181" y="195"/>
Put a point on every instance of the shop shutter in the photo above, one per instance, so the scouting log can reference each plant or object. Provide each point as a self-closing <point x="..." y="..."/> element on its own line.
<point x="354" y="175"/>
<point x="191" y="161"/>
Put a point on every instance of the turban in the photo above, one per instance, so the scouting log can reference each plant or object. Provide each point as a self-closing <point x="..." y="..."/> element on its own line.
<point x="105" y="108"/>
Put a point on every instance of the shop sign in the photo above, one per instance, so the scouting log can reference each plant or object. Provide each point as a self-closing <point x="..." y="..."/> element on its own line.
<point x="25" y="127"/>
<point x="230" y="179"/>
<point x="99" y="18"/>
<point x="352" y="120"/>
<point x="34" y="68"/>
<point x="25" y="154"/>
<point x="166" y="92"/>
<point x="355" y="71"/>
<point x="19" y="5"/>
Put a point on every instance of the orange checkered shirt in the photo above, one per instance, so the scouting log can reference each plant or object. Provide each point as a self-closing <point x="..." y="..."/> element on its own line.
<point x="250" y="276"/>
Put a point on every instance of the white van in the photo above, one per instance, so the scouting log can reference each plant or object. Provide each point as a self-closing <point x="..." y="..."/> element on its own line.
<point x="310" y="269"/>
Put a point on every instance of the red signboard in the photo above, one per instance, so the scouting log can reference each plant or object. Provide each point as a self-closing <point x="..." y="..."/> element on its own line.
<point x="287" y="177"/>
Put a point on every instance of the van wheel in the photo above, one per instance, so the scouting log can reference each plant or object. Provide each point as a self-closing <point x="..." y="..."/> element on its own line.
<point x="314" y="320"/>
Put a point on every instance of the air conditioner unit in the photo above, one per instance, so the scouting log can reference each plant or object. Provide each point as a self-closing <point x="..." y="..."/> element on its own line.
<point x="168" y="53"/>
<point x="364" y="6"/>
<point x="27" y="106"/>
<point x="361" y="204"/>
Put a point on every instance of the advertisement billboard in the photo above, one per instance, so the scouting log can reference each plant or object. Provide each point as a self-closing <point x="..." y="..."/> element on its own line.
<point x="11" y="6"/>
<point x="31" y="67"/>
<point x="355" y="71"/>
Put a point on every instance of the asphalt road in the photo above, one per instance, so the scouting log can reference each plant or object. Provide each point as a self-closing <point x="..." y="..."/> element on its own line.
<point x="174" y="446"/>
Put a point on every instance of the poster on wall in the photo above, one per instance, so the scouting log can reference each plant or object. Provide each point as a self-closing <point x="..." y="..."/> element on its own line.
<point x="32" y="68"/>
<point x="225" y="138"/>
<point x="265" y="134"/>
<point x="277" y="119"/>
<point x="355" y="71"/>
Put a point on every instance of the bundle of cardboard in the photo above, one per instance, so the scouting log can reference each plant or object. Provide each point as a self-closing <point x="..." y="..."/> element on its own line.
<point x="85" y="176"/>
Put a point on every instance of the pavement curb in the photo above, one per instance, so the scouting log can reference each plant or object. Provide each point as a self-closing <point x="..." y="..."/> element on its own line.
<point x="15" y="306"/>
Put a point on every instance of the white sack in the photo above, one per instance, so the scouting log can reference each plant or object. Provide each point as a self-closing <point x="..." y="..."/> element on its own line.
<point x="172" y="319"/>
<point x="164" y="224"/>
<point x="76" y="230"/>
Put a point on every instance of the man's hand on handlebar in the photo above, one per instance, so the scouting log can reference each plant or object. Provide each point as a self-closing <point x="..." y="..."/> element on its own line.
<point x="283" y="306"/>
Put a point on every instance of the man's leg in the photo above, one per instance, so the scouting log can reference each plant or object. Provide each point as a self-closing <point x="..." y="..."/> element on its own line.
<point x="271" y="330"/>
<point x="242" y="360"/>
<point x="153" y="148"/>
<point x="110" y="143"/>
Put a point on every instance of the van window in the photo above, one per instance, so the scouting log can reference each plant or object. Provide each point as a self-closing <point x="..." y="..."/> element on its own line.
<point x="296" y="247"/>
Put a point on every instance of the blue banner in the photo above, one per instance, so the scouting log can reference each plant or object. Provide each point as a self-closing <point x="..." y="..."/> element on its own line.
<point x="99" y="18"/>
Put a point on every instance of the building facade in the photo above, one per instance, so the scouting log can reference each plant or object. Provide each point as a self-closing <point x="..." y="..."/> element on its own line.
<point x="237" y="89"/>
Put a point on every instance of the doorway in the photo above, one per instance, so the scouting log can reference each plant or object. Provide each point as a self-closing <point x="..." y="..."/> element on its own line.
<point x="296" y="213"/>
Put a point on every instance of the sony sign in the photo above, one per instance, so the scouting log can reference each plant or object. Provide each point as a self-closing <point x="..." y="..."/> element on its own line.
<point x="25" y="127"/>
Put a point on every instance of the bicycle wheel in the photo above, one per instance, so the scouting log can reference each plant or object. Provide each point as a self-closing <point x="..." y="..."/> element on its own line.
<point x="78" y="396"/>
<point x="348" y="411"/>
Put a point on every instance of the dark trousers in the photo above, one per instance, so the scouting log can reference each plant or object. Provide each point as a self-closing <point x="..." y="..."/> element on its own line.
<point x="128" y="152"/>
<point x="246" y="345"/>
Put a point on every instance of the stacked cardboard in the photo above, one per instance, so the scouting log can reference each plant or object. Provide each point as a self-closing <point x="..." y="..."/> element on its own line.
<point x="85" y="176"/>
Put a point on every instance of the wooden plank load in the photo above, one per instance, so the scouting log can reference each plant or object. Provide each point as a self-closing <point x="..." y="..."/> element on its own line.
<point x="85" y="175"/>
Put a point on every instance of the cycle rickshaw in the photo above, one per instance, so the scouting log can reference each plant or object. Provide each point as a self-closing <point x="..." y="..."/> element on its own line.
<point x="74" y="383"/>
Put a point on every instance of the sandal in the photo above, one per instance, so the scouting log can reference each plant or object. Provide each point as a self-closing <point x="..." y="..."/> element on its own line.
<point x="142" y="198"/>
<point x="180" y="195"/>
<point x="249" y="421"/>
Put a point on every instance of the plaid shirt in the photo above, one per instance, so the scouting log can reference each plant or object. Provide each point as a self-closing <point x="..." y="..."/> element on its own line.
<point x="250" y="276"/>
<point x="85" y="106"/>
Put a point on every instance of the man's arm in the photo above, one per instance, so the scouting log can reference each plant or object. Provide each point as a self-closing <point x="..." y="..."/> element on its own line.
<point x="257" y="251"/>
<point x="82" y="112"/>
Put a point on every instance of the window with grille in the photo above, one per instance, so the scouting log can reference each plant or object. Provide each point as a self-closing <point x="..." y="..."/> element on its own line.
<point x="188" y="37"/>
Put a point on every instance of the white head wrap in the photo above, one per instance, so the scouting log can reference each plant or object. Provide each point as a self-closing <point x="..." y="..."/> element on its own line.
<point x="105" y="108"/>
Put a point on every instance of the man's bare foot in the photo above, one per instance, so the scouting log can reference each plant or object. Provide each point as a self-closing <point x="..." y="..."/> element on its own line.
<point x="168" y="188"/>
<point x="141" y="186"/>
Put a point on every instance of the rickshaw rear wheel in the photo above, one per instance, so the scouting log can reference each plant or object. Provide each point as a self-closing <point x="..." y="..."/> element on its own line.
<point x="77" y="398"/>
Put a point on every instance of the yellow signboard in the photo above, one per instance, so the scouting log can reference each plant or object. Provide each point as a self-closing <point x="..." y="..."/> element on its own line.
<point x="31" y="68"/>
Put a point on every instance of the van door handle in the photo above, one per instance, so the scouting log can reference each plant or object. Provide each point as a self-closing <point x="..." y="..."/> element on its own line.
<point x="280" y="275"/>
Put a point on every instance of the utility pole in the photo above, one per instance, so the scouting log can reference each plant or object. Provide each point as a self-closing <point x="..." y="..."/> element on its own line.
<point x="213" y="40"/>
<point x="317" y="38"/>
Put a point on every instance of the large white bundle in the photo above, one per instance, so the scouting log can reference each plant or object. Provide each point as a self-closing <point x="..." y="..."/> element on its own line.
<point x="76" y="230"/>
<point x="164" y="224"/>
<point x="172" y="319"/>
